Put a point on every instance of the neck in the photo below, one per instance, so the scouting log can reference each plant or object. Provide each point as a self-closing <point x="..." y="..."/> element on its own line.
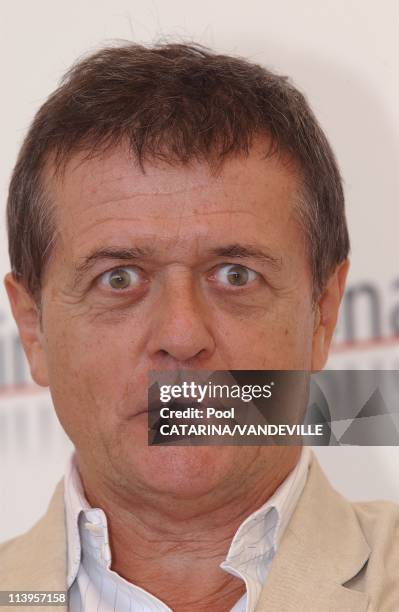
<point x="172" y="547"/>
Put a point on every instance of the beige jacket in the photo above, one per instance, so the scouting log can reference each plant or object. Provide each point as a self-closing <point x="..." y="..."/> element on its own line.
<point x="335" y="556"/>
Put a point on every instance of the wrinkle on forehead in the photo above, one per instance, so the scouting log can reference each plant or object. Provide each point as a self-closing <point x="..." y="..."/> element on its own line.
<point x="116" y="165"/>
<point x="158" y="178"/>
<point x="119" y="190"/>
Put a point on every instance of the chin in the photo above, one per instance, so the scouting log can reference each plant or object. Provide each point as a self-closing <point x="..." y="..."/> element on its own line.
<point x="186" y="472"/>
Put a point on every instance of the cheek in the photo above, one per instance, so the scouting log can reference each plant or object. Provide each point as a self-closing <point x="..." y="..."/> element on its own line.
<point x="279" y="338"/>
<point x="90" y="376"/>
<point x="295" y="349"/>
<point x="296" y="340"/>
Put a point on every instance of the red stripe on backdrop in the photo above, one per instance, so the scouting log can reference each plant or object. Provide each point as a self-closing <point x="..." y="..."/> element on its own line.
<point x="365" y="345"/>
<point x="29" y="388"/>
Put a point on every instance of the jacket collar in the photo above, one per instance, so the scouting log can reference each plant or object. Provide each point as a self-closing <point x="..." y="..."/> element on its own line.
<point x="322" y="549"/>
<point x="37" y="560"/>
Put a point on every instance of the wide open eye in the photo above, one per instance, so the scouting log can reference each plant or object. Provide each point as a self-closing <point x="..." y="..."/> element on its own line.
<point x="235" y="275"/>
<point x="121" y="278"/>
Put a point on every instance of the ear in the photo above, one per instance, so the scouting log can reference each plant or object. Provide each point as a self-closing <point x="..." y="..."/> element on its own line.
<point x="326" y="315"/>
<point x="27" y="318"/>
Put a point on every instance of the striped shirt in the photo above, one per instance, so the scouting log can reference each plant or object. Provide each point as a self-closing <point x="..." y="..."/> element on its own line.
<point x="94" y="586"/>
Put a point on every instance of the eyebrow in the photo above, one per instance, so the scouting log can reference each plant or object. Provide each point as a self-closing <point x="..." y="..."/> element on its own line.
<point x="111" y="253"/>
<point x="244" y="251"/>
<point x="239" y="251"/>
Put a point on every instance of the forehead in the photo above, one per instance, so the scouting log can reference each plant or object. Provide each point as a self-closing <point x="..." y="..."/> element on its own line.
<point x="110" y="191"/>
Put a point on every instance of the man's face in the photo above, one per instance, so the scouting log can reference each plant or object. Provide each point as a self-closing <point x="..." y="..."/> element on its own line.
<point x="144" y="277"/>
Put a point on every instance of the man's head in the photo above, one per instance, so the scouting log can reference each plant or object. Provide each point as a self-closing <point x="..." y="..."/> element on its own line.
<point x="170" y="208"/>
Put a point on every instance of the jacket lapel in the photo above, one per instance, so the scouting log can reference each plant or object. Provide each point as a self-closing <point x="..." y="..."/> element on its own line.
<point x="322" y="548"/>
<point x="37" y="560"/>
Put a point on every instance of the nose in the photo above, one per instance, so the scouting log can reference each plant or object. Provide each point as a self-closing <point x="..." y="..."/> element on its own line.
<point x="181" y="328"/>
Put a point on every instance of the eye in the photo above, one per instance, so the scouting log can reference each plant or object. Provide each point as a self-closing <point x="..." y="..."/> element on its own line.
<point x="120" y="278"/>
<point x="235" y="274"/>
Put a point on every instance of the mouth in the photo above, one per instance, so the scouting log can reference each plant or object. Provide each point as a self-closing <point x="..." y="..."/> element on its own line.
<point x="154" y="408"/>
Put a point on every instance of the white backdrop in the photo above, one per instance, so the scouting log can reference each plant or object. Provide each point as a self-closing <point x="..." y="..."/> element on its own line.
<point x="344" y="54"/>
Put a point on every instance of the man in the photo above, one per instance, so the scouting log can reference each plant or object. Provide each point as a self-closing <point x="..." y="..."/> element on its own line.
<point x="172" y="209"/>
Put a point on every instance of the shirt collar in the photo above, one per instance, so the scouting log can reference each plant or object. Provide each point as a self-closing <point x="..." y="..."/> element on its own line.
<point x="257" y="536"/>
<point x="76" y="505"/>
